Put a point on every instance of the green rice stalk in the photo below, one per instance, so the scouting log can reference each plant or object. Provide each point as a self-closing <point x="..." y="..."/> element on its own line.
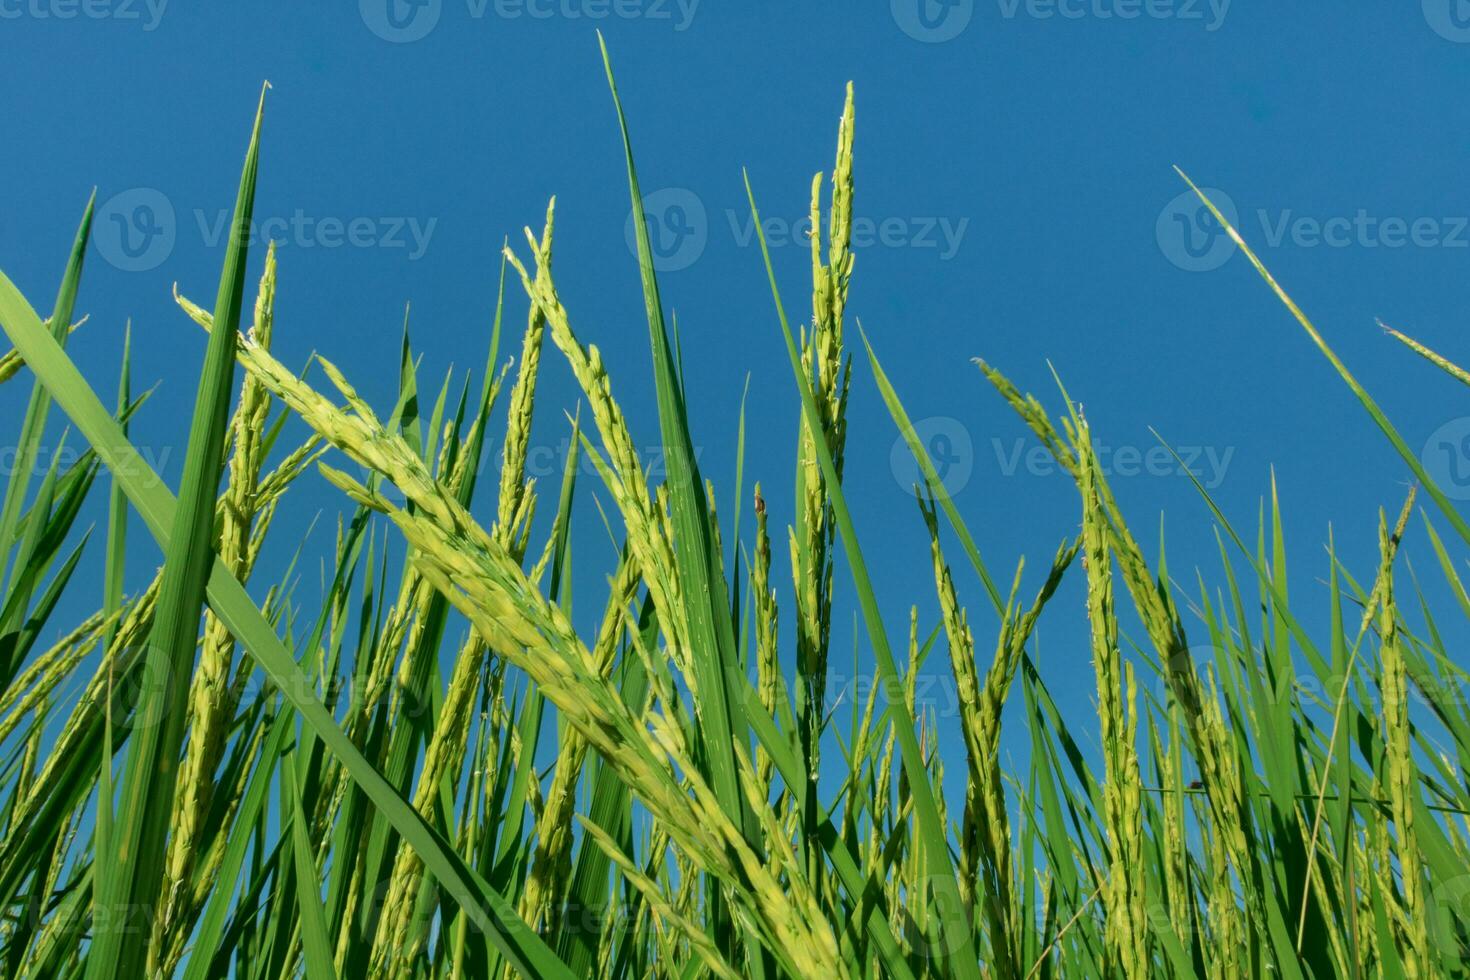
<point x="1227" y="927"/>
<point x="985" y="840"/>
<point x="1125" y="901"/>
<point x="134" y="875"/>
<point x="824" y="361"/>
<point x="119" y="659"/>
<point x="259" y="636"/>
<point x="1377" y="599"/>
<point x="699" y="941"/>
<point x="47" y="671"/>
<point x="517" y="496"/>
<point x="647" y="525"/>
<point x="1438" y="360"/>
<point x="1173" y="848"/>
<point x="551" y="862"/>
<point x="398" y="943"/>
<point x="481" y="579"/>
<point x="898" y="816"/>
<point x="207" y="864"/>
<point x="30" y="752"/>
<point x="11" y="362"/>
<point x="1210" y="740"/>
<point x="472" y="821"/>
<point x="1401" y="780"/>
<point x="210" y="703"/>
<point x="769" y="681"/>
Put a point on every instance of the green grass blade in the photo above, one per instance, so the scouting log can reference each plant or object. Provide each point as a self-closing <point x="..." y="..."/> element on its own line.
<point x="935" y="485"/>
<point x="1380" y="419"/>
<point x="710" y="623"/>
<point x="136" y="880"/>
<point x="957" y="946"/>
<point x="155" y="505"/>
<point x="313" y="920"/>
<point x="712" y="633"/>
<point x="33" y="426"/>
<point x="117" y="502"/>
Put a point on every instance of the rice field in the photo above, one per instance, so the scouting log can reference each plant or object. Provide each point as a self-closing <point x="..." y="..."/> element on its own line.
<point x="424" y="769"/>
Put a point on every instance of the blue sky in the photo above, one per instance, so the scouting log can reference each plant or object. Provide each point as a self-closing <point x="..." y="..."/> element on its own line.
<point x="1016" y="202"/>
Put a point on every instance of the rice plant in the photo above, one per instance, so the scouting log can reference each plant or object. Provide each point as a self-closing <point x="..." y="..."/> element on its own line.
<point x="427" y="770"/>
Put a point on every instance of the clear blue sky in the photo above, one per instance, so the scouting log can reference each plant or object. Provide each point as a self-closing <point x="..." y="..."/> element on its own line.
<point x="1014" y="181"/>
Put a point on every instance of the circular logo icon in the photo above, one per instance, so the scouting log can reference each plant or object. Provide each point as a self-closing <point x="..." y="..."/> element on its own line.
<point x="1189" y="234"/>
<point x="135" y="229"/>
<point x="932" y="21"/>
<point x="1449" y="18"/>
<point x="678" y="228"/>
<point x="1446" y="458"/>
<point x="400" y="21"/>
<point x="950" y="449"/>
